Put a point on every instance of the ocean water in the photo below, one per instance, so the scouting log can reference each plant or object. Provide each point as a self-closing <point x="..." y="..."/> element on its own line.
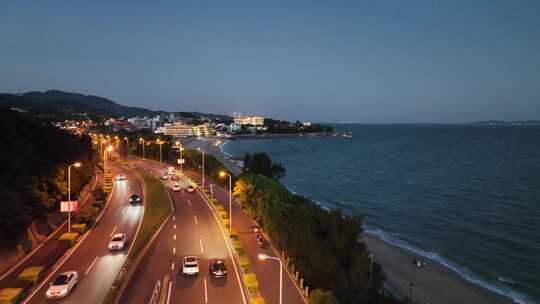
<point x="466" y="196"/>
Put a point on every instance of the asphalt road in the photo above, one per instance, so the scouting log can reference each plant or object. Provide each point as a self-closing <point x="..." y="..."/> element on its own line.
<point x="97" y="267"/>
<point x="267" y="271"/>
<point x="192" y="230"/>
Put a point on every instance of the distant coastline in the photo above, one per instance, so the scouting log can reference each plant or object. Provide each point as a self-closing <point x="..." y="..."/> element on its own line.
<point x="507" y="123"/>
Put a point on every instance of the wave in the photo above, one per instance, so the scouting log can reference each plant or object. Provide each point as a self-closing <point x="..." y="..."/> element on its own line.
<point x="222" y="149"/>
<point x="471" y="278"/>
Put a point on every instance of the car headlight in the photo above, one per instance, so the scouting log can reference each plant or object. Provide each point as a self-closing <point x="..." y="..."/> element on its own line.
<point x="63" y="292"/>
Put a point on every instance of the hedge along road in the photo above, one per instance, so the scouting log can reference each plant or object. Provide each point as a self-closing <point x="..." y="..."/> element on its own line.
<point x="192" y="230"/>
<point x="97" y="267"/>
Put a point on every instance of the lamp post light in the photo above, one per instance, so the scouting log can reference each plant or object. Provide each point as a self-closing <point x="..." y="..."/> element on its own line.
<point x="263" y="257"/>
<point x="180" y="149"/>
<point x="76" y="165"/>
<point x="127" y="146"/>
<point x="160" y="142"/>
<point x="105" y="156"/>
<point x="202" y="150"/>
<point x="411" y="285"/>
<point x="223" y="174"/>
<point x="141" y="140"/>
<point x="101" y="142"/>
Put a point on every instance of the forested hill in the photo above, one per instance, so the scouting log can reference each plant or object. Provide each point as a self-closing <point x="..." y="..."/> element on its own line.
<point x="33" y="178"/>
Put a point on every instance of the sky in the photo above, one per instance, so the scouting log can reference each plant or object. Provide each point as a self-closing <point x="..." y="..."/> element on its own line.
<point x="328" y="61"/>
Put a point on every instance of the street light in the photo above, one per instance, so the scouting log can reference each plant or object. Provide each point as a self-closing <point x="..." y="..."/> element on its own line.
<point x="141" y="140"/>
<point x="199" y="149"/>
<point x="105" y="156"/>
<point x="223" y="174"/>
<point x="263" y="257"/>
<point x="76" y="165"/>
<point x="160" y="142"/>
<point x="180" y="149"/>
<point x="127" y="146"/>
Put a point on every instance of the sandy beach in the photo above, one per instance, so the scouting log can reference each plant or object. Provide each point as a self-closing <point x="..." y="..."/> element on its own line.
<point x="434" y="283"/>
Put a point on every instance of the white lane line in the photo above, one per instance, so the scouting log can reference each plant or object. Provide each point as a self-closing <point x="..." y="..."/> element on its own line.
<point x="174" y="250"/>
<point x="205" y="292"/>
<point x="174" y="218"/>
<point x="174" y="226"/>
<point x="202" y="249"/>
<point x="174" y="236"/>
<point x="169" y="292"/>
<point x="172" y="266"/>
<point x="91" y="265"/>
<point x="123" y="210"/>
<point x="189" y="202"/>
<point x="114" y="229"/>
<point x="195" y="217"/>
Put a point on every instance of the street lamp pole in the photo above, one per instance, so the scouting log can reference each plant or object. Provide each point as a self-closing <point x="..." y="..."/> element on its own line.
<point x="127" y="146"/>
<point x="76" y="165"/>
<point x="222" y="174"/>
<point x="105" y="157"/>
<point x="181" y="159"/>
<point x="263" y="257"/>
<point x="370" y="269"/>
<point x="141" y="140"/>
<point x="199" y="149"/>
<point x="411" y="285"/>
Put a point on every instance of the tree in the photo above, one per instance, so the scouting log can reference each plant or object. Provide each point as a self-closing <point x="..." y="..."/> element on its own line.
<point x="260" y="163"/>
<point x="319" y="296"/>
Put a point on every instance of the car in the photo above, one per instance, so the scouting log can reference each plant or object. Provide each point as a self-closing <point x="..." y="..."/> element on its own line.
<point x="190" y="189"/>
<point x="176" y="188"/>
<point x="218" y="269"/>
<point x="175" y="178"/>
<point x="118" y="242"/>
<point x="135" y="198"/>
<point x="120" y="177"/>
<point x="164" y="177"/>
<point x="62" y="285"/>
<point x="190" y="265"/>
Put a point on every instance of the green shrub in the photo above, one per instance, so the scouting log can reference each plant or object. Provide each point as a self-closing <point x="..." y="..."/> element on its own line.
<point x="68" y="237"/>
<point x="31" y="274"/>
<point x="257" y="300"/>
<point x="244" y="263"/>
<point x="251" y="282"/>
<point x="79" y="228"/>
<point x="318" y="296"/>
<point x="10" y="295"/>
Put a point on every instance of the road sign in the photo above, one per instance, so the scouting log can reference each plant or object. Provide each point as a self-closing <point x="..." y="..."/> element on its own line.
<point x="181" y="161"/>
<point x="73" y="207"/>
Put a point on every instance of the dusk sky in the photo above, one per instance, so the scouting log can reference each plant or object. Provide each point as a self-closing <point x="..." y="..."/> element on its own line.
<point x="360" y="61"/>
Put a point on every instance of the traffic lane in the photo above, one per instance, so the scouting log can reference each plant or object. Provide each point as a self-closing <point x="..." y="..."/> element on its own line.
<point x="93" y="287"/>
<point x="267" y="271"/>
<point x="215" y="247"/>
<point x="154" y="266"/>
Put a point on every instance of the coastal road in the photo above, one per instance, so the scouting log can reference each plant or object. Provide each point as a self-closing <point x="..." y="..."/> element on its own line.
<point x="268" y="271"/>
<point x="192" y="230"/>
<point x="90" y="257"/>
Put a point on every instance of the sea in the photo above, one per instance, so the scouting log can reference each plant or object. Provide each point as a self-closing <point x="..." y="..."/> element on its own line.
<point x="465" y="196"/>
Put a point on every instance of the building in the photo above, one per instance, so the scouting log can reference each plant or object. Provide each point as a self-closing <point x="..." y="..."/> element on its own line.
<point x="248" y="120"/>
<point x="146" y="122"/>
<point x="186" y="130"/>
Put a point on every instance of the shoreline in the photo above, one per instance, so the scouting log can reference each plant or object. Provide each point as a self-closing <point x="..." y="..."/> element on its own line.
<point x="435" y="283"/>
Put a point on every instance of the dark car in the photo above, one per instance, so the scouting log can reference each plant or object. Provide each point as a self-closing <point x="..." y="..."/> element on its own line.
<point x="218" y="269"/>
<point x="135" y="199"/>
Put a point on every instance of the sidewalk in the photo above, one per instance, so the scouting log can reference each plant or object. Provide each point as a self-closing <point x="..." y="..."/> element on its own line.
<point x="48" y="252"/>
<point x="267" y="271"/>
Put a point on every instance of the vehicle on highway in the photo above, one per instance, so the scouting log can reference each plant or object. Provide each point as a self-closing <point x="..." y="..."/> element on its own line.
<point x="217" y="268"/>
<point x="175" y="178"/>
<point x="62" y="285"/>
<point x="164" y="177"/>
<point x="120" y="177"/>
<point x="190" y="189"/>
<point x="170" y="170"/>
<point x="118" y="242"/>
<point x="135" y="198"/>
<point x="190" y="265"/>
<point x="176" y="188"/>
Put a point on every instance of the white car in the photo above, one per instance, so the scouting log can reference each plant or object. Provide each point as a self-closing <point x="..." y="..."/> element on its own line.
<point x="190" y="265"/>
<point x="176" y="188"/>
<point x="62" y="285"/>
<point x="164" y="177"/>
<point x="118" y="242"/>
<point x="120" y="177"/>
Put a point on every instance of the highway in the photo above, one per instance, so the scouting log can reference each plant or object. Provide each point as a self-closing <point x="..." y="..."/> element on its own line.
<point x="192" y="230"/>
<point x="90" y="257"/>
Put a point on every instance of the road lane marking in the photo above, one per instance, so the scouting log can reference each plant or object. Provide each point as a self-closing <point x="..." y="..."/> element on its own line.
<point x="174" y="250"/>
<point x="174" y="236"/>
<point x="174" y="218"/>
<point x="189" y="202"/>
<point x="205" y="292"/>
<point x="169" y="292"/>
<point x="91" y="265"/>
<point x="174" y="226"/>
<point x="114" y="229"/>
<point x="123" y="210"/>
<point x="172" y="266"/>
<point x="202" y="249"/>
<point x="195" y="217"/>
